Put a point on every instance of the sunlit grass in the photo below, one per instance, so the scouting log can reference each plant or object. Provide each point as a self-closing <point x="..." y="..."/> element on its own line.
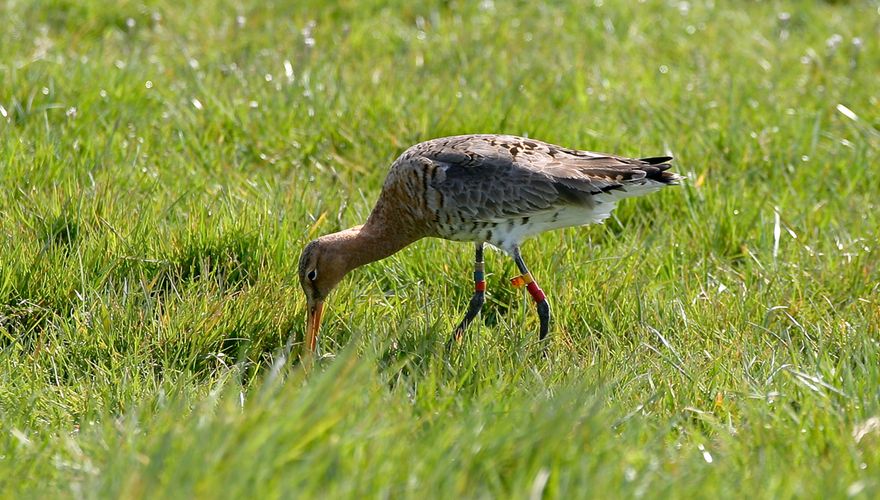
<point x="163" y="164"/>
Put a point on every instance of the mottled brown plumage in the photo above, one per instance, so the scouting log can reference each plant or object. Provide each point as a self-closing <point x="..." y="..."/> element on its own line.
<point x="496" y="189"/>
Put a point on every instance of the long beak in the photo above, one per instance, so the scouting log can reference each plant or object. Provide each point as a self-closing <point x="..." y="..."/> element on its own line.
<point x="313" y="325"/>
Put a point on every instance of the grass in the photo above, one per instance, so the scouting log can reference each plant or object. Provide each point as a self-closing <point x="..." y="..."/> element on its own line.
<point x="163" y="164"/>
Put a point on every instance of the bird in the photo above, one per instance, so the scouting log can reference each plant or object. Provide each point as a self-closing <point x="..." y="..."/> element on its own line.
<point x="480" y="188"/>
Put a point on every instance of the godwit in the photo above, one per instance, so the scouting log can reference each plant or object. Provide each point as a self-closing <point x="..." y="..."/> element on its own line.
<point x="496" y="189"/>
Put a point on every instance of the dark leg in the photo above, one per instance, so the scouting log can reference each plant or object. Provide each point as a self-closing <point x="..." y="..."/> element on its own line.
<point x="536" y="293"/>
<point x="478" y="297"/>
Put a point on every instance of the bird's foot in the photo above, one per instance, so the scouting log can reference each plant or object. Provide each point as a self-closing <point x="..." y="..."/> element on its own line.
<point x="474" y="308"/>
<point x="544" y="316"/>
<point x="456" y="338"/>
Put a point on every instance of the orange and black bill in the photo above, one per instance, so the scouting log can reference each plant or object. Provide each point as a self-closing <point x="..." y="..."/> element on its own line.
<point x="313" y="325"/>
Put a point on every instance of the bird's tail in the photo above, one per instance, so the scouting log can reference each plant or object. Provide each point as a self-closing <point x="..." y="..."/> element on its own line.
<point x="656" y="170"/>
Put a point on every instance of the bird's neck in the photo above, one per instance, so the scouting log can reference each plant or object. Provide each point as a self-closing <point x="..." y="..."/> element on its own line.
<point x="368" y="243"/>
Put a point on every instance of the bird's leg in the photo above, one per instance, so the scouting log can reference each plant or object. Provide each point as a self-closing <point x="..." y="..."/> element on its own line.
<point x="477" y="298"/>
<point x="534" y="290"/>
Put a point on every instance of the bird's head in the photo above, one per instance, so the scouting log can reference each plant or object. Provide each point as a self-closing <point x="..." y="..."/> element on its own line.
<point x="321" y="267"/>
<point x="325" y="261"/>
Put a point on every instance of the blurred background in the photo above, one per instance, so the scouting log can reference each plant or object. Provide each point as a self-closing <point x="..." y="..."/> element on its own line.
<point x="163" y="163"/>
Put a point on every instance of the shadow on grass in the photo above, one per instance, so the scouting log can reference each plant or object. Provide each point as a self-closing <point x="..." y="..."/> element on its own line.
<point x="59" y="233"/>
<point x="231" y="261"/>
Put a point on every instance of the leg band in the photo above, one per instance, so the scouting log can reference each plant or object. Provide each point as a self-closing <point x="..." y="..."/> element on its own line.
<point x="480" y="286"/>
<point x="536" y="292"/>
<point x="524" y="279"/>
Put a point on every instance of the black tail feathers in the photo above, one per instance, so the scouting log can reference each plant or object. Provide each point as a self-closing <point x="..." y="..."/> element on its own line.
<point x="656" y="169"/>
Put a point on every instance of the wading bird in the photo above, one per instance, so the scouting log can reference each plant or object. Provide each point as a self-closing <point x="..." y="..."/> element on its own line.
<point x="496" y="189"/>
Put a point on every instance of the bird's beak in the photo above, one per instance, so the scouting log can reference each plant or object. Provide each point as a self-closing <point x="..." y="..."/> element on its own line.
<point x="313" y="325"/>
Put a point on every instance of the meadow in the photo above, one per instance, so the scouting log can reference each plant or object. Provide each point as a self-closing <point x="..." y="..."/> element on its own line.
<point x="163" y="163"/>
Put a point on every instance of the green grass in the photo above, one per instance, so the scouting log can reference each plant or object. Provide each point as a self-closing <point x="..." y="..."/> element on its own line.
<point x="162" y="165"/>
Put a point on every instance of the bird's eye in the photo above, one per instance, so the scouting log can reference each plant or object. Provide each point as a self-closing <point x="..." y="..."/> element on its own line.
<point x="313" y="275"/>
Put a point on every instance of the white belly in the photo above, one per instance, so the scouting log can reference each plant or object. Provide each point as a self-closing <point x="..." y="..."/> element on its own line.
<point x="508" y="236"/>
<point x="508" y="233"/>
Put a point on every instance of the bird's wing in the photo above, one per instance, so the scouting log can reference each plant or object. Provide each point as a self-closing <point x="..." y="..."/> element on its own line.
<point x="490" y="177"/>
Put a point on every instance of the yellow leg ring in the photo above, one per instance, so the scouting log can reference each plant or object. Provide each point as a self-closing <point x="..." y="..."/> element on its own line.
<point x="522" y="280"/>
